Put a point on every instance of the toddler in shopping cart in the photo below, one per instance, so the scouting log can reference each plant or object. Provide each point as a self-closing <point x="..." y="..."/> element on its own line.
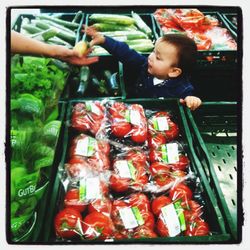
<point x="164" y="73"/>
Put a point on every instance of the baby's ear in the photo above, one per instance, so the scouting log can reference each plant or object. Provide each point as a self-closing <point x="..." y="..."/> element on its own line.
<point x="174" y="72"/>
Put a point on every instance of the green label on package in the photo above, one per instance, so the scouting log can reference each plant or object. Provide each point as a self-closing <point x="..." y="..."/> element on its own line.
<point x="125" y="169"/>
<point x="169" y="152"/>
<point x="89" y="189"/>
<point x="90" y="106"/>
<point x="86" y="146"/>
<point x="133" y="117"/>
<point x="160" y="123"/>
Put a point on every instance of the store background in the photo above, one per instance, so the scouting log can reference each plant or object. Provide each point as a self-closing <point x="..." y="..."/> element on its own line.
<point x="246" y="92"/>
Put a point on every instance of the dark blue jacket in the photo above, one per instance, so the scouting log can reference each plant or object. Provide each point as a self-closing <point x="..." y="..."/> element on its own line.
<point x="178" y="87"/>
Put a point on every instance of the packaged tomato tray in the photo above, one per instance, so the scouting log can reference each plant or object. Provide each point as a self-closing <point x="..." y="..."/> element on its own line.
<point x="125" y="124"/>
<point x="144" y="192"/>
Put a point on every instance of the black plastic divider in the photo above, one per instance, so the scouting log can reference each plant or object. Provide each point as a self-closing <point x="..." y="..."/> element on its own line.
<point x="219" y="152"/>
<point x="228" y="18"/>
<point x="212" y="211"/>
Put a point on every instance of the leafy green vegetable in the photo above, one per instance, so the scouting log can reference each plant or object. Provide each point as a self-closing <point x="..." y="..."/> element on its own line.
<point x="38" y="76"/>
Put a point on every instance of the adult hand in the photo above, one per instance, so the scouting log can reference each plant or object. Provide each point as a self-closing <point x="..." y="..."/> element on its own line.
<point x="191" y="102"/>
<point x="71" y="56"/>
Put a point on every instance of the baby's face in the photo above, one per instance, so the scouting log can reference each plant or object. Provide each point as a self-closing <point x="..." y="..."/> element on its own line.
<point x="162" y="60"/>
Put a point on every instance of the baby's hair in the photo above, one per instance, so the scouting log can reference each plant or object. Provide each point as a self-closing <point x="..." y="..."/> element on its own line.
<point x="187" y="51"/>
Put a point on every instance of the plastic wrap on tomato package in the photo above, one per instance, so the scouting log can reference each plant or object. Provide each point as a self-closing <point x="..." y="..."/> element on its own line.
<point x="221" y="39"/>
<point x="126" y="124"/>
<point x="82" y="196"/>
<point x="166" y="21"/>
<point x="161" y="128"/>
<point x="87" y="152"/>
<point x="87" y="116"/>
<point x="132" y="216"/>
<point x="129" y="171"/>
<point x="171" y="153"/>
<point x="97" y="225"/>
<point x="68" y="224"/>
<point x="179" y="214"/>
<point x="187" y="18"/>
<point x="202" y="41"/>
<point x="163" y="176"/>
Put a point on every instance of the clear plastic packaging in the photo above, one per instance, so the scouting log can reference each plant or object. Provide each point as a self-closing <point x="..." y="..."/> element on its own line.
<point x="125" y="124"/>
<point x="129" y="171"/>
<point x="87" y="152"/>
<point x="87" y="117"/>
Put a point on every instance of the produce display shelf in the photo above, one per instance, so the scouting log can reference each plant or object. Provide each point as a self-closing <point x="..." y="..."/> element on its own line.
<point x="212" y="212"/>
<point x="17" y="24"/>
<point x="215" y="139"/>
<point x="91" y="91"/>
<point x="146" y="17"/>
<point x="213" y="57"/>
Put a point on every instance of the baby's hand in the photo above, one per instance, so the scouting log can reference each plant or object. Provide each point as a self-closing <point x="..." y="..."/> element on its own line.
<point x="97" y="37"/>
<point x="191" y="102"/>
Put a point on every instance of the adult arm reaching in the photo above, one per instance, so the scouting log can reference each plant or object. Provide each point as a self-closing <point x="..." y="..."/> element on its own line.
<point x="21" y="44"/>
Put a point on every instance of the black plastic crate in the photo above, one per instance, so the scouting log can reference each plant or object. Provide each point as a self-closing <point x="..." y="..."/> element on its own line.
<point x="147" y="18"/>
<point x="214" y="57"/>
<point x="212" y="211"/>
<point x="17" y="25"/>
<point x="73" y="89"/>
<point x="215" y="137"/>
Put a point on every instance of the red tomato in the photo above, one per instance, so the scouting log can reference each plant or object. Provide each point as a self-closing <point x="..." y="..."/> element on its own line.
<point x="76" y="169"/>
<point x="99" y="161"/>
<point x="182" y="164"/>
<point x="119" y="184"/>
<point x="180" y="191"/>
<point x="139" y="134"/>
<point x="117" y="110"/>
<point x="137" y="156"/>
<point x="115" y="214"/>
<point x="149" y="220"/>
<point x="72" y="199"/>
<point x="161" y="173"/>
<point x="140" y="182"/>
<point x="155" y="155"/>
<point x="104" y="147"/>
<point x="192" y="210"/>
<point x="139" y="200"/>
<point x="161" y="228"/>
<point x="120" y="129"/>
<point x="67" y="223"/>
<point x="144" y="232"/>
<point x="97" y="225"/>
<point x="159" y="169"/>
<point x="80" y="122"/>
<point x="137" y="107"/>
<point x="173" y="131"/>
<point x="177" y="174"/>
<point x="158" y="203"/>
<point x="103" y="205"/>
<point x="197" y="228"/>
<point x="162" y="113"/>
<point x="155" y="140"/>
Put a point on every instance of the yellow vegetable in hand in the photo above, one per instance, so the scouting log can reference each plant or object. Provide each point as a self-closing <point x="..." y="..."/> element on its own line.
<point x="81" y="47"/>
